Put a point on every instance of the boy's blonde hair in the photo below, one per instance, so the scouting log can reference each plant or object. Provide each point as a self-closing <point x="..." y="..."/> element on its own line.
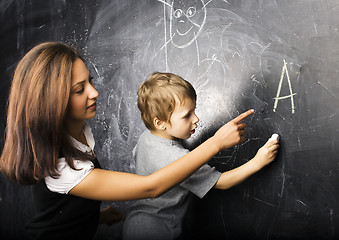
<point x="159" y="94"/>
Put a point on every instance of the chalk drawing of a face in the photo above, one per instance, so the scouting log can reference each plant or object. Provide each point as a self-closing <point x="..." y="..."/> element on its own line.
<point x="187" y="18"/>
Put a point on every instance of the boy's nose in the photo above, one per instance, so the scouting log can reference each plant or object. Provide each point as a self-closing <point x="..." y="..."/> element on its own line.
<point x="196" y="119"/>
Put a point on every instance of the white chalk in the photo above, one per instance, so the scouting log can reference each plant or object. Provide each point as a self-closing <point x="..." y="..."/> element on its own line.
<point x="275" y="136"/>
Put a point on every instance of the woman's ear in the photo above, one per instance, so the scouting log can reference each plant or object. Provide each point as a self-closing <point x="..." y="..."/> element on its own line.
<point x="158" y="124"/>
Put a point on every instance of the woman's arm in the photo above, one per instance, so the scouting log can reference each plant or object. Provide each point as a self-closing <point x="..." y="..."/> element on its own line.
<point x="264" y="156"/>
<point x="118" y="186"/>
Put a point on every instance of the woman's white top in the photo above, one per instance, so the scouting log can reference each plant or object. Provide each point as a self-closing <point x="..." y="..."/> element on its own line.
<point x="69" y="177"/>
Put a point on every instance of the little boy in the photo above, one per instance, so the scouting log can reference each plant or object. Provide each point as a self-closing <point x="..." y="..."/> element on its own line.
<point x="167" y="105"/>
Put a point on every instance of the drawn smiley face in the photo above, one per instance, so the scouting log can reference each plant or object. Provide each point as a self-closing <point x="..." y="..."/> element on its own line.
<point x="186" y="21"/>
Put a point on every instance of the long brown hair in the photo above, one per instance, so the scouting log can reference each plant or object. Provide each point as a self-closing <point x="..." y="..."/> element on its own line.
<point x="37" y="105"/>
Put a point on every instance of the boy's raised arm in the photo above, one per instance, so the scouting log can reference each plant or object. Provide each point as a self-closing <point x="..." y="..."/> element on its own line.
<point x="265" y="155"/>
<point x="117" y="186"/>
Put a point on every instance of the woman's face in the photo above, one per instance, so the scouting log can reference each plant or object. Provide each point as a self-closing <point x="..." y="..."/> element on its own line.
<point x="83" y="96"/>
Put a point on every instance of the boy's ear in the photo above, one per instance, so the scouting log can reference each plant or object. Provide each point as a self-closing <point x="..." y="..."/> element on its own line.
<point x="158" y="124"/>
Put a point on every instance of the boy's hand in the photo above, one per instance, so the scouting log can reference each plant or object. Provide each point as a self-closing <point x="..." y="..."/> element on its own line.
<point x="110" y="216"/>
<point x="267" y="153"/>
<point x="233" y="132"/>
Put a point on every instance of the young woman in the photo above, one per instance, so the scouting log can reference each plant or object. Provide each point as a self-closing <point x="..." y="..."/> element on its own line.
<point x="49" y="145"/>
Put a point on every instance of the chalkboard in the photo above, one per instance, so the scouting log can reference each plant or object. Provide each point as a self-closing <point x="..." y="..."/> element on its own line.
<point x="279" y="57"/>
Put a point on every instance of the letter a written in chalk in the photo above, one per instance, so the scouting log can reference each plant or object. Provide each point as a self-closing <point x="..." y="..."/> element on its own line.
<point x="278" y="97"/>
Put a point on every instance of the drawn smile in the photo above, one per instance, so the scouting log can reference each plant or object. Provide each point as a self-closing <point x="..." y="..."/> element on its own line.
<point x="182" y="34"/>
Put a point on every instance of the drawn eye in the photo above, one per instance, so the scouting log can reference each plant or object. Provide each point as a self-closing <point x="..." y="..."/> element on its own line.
<point x="177" y="13"/>
<point x="191" y="12"/>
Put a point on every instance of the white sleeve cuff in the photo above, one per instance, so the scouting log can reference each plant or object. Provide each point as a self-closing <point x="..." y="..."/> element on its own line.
<point x="69" y="177"/>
